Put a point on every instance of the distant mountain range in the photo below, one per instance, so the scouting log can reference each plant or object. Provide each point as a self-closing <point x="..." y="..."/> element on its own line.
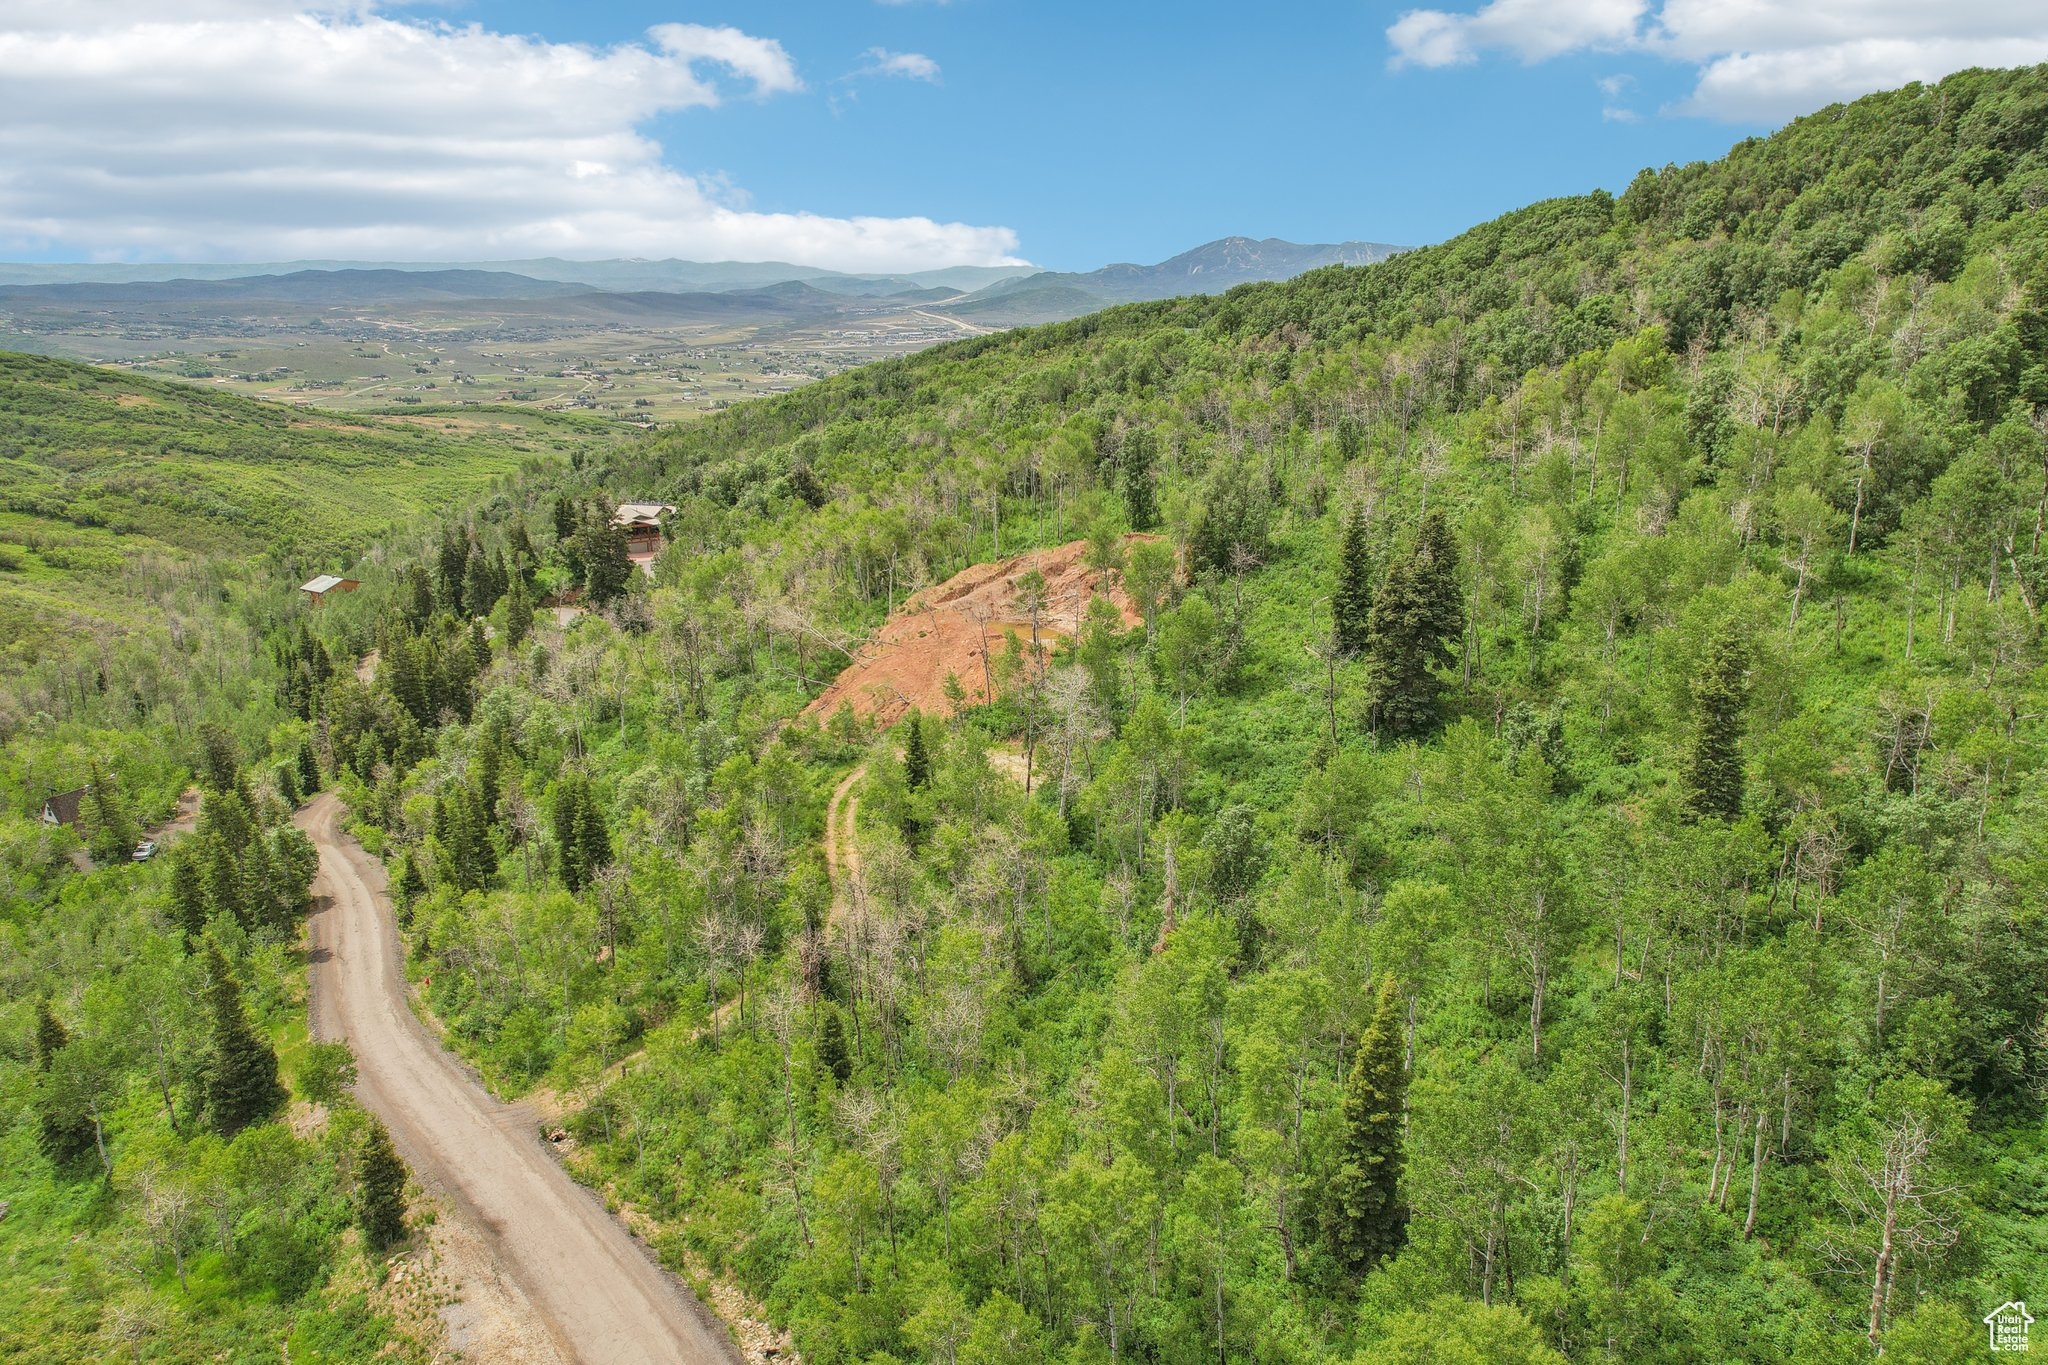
<point x="626" y="275"/>
<point x="994" y="296"/>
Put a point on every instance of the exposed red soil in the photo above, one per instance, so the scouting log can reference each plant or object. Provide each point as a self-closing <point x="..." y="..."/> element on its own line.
<point x="946" y="629"/>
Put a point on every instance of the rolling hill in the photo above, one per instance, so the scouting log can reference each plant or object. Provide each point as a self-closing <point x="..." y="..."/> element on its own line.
<point x="120" y="494"/>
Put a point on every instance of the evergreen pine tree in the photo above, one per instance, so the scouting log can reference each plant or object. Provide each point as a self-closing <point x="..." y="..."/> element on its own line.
<point x="594" y="840"/>
<point x="1351" y="604"/>
<point x="479" y="650"/>
<point x="606" y="566"/>
<point x="832" y="1053"/>
<point x="380" y="1210"/>
<point x="1141" y="507"/>
<point x="917" y="760"/>
<point x="1363" y="1213"/>
<point x="454" y="567"/>
<point x="480" y="589"/>
<point x="114" y="832"/>
<point x="565" y="517"/>
<point x="518" y="613"/>
<point x="568" y="806"/>
<point x="64" y="1133"/>
<point x="241" y="1074"/>
<point x="803" y="482"/>
<point x="188" y="896"/>
<point x="220" y="759"/>
<point x="523" y="556"/>
<point x="222" y="877"/>
<point x="1714" y="780"/>
<point x="309" y="768"/>
<point x="264" y="896"/>
<point x="1412" y="627"/>
<point x="419" y="597"/>
<point x="407" y="886"/>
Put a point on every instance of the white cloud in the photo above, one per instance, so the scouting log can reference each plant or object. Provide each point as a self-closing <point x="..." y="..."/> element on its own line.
<point x="224" y="129"/>
<point x="1758" y="60"/>
<point x="1532" y="29"/>
<point x="880" y="61"/>
<point x="1616" y="89"/>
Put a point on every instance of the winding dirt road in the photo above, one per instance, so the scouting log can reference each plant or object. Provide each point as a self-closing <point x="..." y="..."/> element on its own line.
<point x="597" y="1292"/>
<point x="842" y="851"/>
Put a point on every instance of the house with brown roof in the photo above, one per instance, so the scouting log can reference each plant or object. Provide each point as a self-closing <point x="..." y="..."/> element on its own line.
<point x="641" y="521"/>
<point x="62" y="808"/>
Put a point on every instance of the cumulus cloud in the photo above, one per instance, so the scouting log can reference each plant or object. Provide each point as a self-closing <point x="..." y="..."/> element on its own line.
<point x="1758" y="60"/>
<point x="222" y="129"/>
<point x="880" y="61"/>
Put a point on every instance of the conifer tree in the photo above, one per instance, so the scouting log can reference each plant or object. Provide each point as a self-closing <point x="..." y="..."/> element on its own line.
<point x="519" y="547"/>
<point x="606" y="566"/>
<point x="114" y="832"/>
<point x="407" y="885"/>
<point x="64" y="1133"/>
<point x="581" y="837"/>
<point x="454" y="567"/>
<point x="380" y="1209"/>
<point x="419" y="597"/>
<point x="220" y="759"/>
<point x="467" y="841"/>
<point x="568" y="848"/>
<point x="803" y="482"/>
<point x="518" y="613"/>
<point x="222" y="877"/>
<point x="263" y="894"/>
<point x="1351" y="604"/>
<point x="592" y="836"/>
<point x="309" y="768"/>
<point x="1714" y="780"/>
<point x="241" y="1073"/>
<point x="832" y="1053"/>
<point x="188" y="896"/>
<point x="1411" y="628"/>
<point x="482" y="585"/>
<point x="1363" y="1214"/>
<point x="917" y="760"/>
<point x="1141" y="506"/>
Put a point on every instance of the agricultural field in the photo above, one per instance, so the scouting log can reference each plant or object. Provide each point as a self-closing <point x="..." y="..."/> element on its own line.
<point x="391" y="359"/>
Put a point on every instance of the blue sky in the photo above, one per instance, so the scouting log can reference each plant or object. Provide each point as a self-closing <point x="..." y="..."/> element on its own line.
<point x="866" y="135"/>
<point x="1106" y="132"/>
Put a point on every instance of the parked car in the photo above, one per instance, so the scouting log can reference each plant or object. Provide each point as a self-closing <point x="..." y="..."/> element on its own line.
<point x="144" y="851"/>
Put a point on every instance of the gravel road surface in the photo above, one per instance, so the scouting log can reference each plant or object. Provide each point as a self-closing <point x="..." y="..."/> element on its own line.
<point x="597" y="1291"/>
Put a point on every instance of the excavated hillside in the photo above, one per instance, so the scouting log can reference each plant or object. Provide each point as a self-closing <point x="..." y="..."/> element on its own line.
<point x="952" y="627"/>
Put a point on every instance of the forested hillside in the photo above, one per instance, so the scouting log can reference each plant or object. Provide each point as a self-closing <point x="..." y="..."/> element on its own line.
<point x="1555" y="874"/>
<point x="124" y="501"/>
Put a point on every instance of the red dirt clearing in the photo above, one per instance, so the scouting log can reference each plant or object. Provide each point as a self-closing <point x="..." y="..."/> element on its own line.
<point x="945" y="629"/>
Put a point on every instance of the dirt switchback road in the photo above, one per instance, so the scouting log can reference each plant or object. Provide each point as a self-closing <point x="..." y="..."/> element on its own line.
<point x="602" y="1298"/>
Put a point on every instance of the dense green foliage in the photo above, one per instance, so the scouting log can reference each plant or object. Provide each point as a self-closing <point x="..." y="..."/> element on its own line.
<point x="1687" y="797"/>
<point x="1636" y="951"/>
<point x="156" y="1204"/>
<point x="124" y="500"/>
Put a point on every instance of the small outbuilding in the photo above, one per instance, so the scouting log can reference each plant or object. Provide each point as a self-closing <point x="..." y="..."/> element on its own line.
<point x="319" y="589"/>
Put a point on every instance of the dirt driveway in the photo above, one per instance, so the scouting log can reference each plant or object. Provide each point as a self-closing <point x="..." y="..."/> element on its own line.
<point x="594" y="1290"/>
